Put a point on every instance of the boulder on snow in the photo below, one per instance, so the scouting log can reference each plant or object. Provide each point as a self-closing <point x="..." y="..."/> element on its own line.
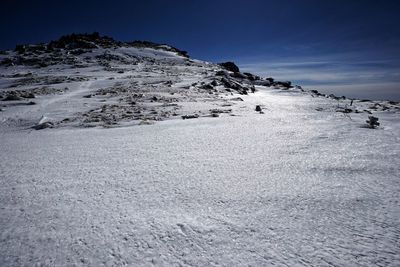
<point x="258" y="108"/>
<point x="208" y="86"/>
<point x="28" y="95"/>
<point x="12" y="97"/>
<point x="229" y="66"/>
<point x="344" y="110"/>
<point x="218" y="111"/>
<point x="315" y="92"/>
<point x="221" y="73"/>
<point x="251" y="77"/>
<point x="238" y="75"/>
<point x="43" y="125"/>
<point x="262" y="83"/>
<point x="285" y="85"/>
<point x="191" y="116"/>
<point x="227" y="83"/>
<point x="372" y="122"/>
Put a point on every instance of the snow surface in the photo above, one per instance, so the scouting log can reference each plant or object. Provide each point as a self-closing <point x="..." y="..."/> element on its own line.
<point x="291" y="187"/>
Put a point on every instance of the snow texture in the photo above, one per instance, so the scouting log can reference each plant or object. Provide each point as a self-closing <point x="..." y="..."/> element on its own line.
<point x="299" y="185"/>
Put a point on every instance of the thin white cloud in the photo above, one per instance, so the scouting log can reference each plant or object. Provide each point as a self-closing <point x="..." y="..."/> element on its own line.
<point x="326" y="71"/>
<point x="371" y="78"/>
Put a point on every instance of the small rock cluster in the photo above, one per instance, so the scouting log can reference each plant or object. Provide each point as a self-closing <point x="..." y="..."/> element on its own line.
<point x="372" y="122"/>
<point x="15" y="95"/>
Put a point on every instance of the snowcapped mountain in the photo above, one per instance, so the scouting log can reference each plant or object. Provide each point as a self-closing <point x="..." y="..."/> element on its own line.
<point x="87" y="80"/>
<point x="235" y="169"/>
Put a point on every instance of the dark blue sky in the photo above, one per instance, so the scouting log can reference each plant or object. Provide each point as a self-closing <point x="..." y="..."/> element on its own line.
<point x="352" y="47"/>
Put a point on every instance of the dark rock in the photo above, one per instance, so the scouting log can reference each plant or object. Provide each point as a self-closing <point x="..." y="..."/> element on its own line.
<point x="214" y="111"/>
<point x="372" y="122"/>
<point x="28" y="95"/>
<point x="262" y="83"/>
<point x="230" y="66"/>
<point x="12" y="98"/>
<point x="207" y="86"/>
<point x="192" y="116"/>
<point x="334" y="97"/>
<point x="240" y="88"/>
<point x="7" y="62"/>
<point x="238" y="75"/>
<point x="286" y="84"/>
<point x="251" y="77"/>
<point x="220" y="73"/>
<point x="258" y="108"/>
<point x="20" y="49"/>
<point x="43" y="125"/>
<point x="77" y="52"/>
<point x="82" y="41"/>
<point x="227" y="83"/>
<point x="346" y="110"/>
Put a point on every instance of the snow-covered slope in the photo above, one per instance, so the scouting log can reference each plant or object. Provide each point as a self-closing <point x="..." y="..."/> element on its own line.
<point x="302" y="183"/>
<point x="89" y="81"/>
<point x="119" y="84"/>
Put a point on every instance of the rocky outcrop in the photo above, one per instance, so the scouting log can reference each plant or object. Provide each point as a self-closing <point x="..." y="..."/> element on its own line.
<point x="230" y="66"/>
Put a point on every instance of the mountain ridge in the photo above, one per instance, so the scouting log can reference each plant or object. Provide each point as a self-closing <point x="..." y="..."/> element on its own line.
<point x="104" y="82"/>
